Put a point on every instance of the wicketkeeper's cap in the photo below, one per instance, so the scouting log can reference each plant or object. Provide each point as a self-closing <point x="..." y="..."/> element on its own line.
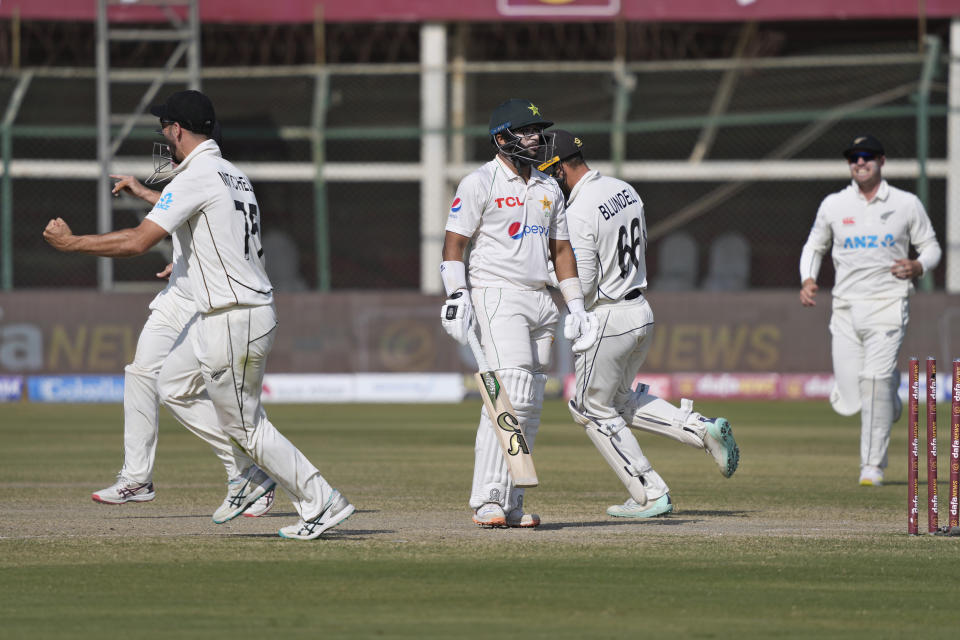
<point x="865" y="143"/>
<point x="515" y="114"/>
<point x="191" y="109"/>
<point x="561" y="144"/>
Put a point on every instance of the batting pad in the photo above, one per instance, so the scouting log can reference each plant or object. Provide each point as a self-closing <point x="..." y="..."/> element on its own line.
<point x="491" y="479"/>
<point x="655" y="415"/>
<point x="619" y="447"/>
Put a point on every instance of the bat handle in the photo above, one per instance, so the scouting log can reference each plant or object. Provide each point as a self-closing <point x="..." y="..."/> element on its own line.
<point x="474" y="342"/>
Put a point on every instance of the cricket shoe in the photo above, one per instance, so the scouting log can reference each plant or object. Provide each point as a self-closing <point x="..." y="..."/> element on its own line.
<point x="871" y="476"/>
<point x="242" y="492"/>
<point x="718" y="441"/>
<point x="517" y="519"/>
<point x="632" y="509"/>
<point x="336" y="511"/>
<point x="490" y="515"/>
<point x="261" y="506"/>
<point x="125" y="490"/>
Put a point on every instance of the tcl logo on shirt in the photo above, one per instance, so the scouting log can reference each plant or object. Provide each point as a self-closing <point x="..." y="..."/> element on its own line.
<point x="849" y="221"/>
<point x="509" y="201"/>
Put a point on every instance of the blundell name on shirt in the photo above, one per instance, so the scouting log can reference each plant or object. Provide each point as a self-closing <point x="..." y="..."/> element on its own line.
<point x="615" y="203"/>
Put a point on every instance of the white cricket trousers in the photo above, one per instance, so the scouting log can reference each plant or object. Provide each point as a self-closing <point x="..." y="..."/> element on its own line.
<point x="866" y="339"/>
<point x="170" y="312"/>
<point x="605" y="375"/>
<point x="516" y="332"/>
<point x="226" y="353"/>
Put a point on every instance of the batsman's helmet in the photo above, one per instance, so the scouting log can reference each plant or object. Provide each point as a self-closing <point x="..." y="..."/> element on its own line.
<point x="507" y="120"/>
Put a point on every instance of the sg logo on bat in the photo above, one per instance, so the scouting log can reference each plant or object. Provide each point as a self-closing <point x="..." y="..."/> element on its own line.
<point x="509" y="423"/>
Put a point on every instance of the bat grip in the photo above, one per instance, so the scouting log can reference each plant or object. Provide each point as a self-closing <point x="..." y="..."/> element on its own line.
<point x="474" y="342"/>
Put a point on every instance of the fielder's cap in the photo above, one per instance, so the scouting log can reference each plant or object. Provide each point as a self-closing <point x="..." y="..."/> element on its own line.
<point x="561" y="144"/>
<point x="515" y="114"/>
<point x="191" y="109"/>
<point x="865" y="143"/>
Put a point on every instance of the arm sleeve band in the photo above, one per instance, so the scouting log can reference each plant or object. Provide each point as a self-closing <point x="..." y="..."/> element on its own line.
<point x="572" y="294"/>
<point x="454" y="275"/>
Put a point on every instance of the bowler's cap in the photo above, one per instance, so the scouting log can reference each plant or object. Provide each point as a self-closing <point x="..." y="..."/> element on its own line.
<point x="191" y="109"/>
<point x="515" y="114"/>
<point x="866" y="143"/>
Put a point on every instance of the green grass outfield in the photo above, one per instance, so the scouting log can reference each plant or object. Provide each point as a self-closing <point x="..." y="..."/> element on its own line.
<point x="790" y="547"/>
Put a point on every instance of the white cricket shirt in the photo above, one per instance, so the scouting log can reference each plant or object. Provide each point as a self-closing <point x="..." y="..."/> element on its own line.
<point x="211" y="211"/>
<point x="511" y="223"/>
<point x="608" y="232"/>
<point x="866" y="238"/>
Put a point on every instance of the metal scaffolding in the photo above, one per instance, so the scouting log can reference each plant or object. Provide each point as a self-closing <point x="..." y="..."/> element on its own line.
<point x="179" y="23"/>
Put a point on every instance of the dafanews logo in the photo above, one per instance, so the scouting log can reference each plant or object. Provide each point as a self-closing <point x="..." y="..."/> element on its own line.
<point x="456" y="205"/>
<point x="517" y="230"/>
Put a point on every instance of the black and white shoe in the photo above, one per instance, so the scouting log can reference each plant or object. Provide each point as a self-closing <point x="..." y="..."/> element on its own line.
<point x="336" y="511"/>
<point x="125" y="490"/>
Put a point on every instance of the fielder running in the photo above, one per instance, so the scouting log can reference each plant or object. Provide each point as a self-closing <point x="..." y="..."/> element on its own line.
<point x="210" y="209"/>
<point x="170" y="312"/>
<point x="869" y="227"/>
<point x="609" y="235"/>
<point x="514" y="214"/>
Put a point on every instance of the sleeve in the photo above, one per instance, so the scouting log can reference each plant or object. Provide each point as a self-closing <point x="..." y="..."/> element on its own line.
<point x="923" y="237"/>
<point x="467" y="207"/>
<point x="817" y="245"/>
<point x="583" y="238"/>
<point x="178" y="202"/>
<point x="558" y="221"/>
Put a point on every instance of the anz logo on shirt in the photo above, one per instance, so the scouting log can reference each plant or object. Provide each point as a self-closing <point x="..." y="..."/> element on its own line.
<point x="868" y="242"/>
<point x="164" y="202"/>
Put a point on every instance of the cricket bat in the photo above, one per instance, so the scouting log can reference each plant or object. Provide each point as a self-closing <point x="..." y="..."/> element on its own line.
<point x="510" y="435"/>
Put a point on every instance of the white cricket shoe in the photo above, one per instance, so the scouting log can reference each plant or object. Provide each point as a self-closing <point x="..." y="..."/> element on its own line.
<point x="125" y="490"/>
<point x="518" y="519"/>
<point x="336" y="511"/>
<point x="242" y="492"/>
<point x="261" y="506"/>
<point x="871" y="476"/>
<point x="632" y="509"/>
<point x="719" y="443"/>
<point x="490" y="514"/>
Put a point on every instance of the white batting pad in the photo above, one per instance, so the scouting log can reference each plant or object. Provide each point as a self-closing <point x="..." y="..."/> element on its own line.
<point x="619" y="448"/>
<point x="655" y="415"/>
<point x="491" y="479"/>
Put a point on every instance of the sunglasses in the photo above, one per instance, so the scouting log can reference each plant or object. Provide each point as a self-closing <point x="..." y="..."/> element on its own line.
<point x="163" y="125"/>
<point x="853" y="158"/>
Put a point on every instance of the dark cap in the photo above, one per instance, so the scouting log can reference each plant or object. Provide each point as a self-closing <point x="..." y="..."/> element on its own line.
<point x="561" y="144"/>
<point x="191" y="109"/>
<point x="515" y="114"/>
<point x="864" y="143"/>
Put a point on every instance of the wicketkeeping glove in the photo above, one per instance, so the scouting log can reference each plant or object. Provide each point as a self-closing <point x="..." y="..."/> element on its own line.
<point x="583" y="329"/>
<point x="457" y="315"/>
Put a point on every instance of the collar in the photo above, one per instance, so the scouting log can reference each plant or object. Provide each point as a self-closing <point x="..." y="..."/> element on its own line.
<point x="882" y="193"/>
<point x="535" y="174"/>
<point x="593" y="174"/>
<point x="205" y="147"/>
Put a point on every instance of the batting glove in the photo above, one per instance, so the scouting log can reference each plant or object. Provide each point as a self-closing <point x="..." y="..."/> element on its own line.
<point x="457" y="315"/>
<point x="583" y="329"/>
